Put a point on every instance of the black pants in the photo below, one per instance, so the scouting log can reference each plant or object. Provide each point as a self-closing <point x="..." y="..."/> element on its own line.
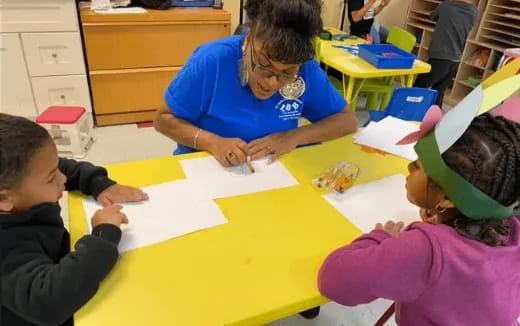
<point x="439" y="78"/>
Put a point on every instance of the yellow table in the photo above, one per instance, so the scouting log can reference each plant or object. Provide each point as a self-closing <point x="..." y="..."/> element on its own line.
<point x="354" y="68"/>
<point x="259" y="267"/>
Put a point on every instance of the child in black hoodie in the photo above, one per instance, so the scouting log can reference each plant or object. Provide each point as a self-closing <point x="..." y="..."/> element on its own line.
<point x="42" y="281"/>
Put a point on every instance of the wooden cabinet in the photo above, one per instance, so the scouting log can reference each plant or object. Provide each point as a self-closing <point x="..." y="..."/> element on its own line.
<point x="38" y="16"/>
<point x="497" y="29"/>
<point x="42" y="62"/>
<point x="16" y="94"/>
<point x="52" y="54"/>
<point x="70" y="90"/>
<point x="132" y="58"/>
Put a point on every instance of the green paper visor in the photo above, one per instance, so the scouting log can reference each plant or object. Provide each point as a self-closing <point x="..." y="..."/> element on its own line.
<point x="469" y="200"/>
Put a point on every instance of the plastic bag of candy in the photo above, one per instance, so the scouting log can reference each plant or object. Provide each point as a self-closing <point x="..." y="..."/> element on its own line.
<point x="338" y="177"/>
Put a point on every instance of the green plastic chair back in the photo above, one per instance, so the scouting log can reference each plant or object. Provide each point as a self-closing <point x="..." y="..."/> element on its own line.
<point x="317" y="49"/>
<point x="401" y="38"/>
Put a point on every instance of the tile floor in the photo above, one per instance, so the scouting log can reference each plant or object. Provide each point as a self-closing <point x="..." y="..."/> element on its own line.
<point x="123" y="143"/>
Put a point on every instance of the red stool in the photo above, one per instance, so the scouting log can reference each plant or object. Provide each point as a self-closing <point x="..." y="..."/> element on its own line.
<point x="71" y="128"/>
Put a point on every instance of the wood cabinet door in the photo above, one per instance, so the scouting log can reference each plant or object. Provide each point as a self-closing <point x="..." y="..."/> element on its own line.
<point x="38" y="15"/>
<point x="51" y="54"/>
<point x="61" y="90"/>
<point x="15" y="93"/>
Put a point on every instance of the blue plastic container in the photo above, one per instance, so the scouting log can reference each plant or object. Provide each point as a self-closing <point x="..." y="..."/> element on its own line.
<point x="386" y="56"/>
<point x="189" y="3"/>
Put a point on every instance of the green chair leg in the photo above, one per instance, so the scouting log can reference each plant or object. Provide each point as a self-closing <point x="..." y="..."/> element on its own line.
<point x="353" y="103"/>
<point x="372" y="101"/>
<point x="386" y="99"/>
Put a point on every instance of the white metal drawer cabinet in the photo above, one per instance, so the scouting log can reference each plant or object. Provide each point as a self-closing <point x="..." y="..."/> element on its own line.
<point x="38" y="15"/>
<point x="61" y="91"/>
<point x="15" y="94"/>
<point x="50" y="54"/>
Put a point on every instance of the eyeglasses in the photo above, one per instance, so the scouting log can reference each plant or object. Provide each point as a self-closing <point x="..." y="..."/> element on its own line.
<point x="265" y="72"/>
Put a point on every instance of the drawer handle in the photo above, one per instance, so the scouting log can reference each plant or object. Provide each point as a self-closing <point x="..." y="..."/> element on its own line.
<point x="62" y="97"/>
<point x="54" y="55"/>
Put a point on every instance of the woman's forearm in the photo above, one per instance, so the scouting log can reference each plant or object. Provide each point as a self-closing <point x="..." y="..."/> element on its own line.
<point x="182" y="131"/>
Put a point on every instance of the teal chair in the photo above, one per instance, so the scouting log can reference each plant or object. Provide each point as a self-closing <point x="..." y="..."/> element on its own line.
<point x="375" y="86"/>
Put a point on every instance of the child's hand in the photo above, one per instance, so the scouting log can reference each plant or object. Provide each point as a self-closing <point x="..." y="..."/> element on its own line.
<point x="109" y="215"/>
<point x="120" y="194"/>
<point x="391" y="228"/>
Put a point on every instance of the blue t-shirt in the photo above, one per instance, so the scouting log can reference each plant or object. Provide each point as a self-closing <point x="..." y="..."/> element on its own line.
<point x="207" y="92"/>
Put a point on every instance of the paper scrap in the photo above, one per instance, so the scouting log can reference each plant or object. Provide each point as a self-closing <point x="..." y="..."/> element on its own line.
<point x="510" y="109"/>
<point x="385" y="134"/>
<point x="497" y="93"/>
<point x="376" y="202"/>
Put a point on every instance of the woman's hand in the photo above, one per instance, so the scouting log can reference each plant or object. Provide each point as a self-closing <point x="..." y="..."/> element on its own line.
<point x="391" y="228"/>
<point x="228" y="151"/>
<point x="120" y="194"/>
<point x="275" y="144"/>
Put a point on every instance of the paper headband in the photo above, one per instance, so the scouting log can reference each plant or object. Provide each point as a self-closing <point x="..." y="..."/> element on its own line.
<point x="448" y="129"/>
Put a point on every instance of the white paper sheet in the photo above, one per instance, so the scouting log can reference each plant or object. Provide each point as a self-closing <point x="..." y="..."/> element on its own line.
<point x="215" y="181"/>
<point x="64" y="204"/>
<point x="173" y="210"/>
<point x="130" y="10"/>
<point x="378" y="201"/>
<point x="385" y="134"/>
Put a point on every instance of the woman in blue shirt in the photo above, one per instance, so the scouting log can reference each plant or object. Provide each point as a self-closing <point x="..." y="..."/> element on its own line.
<point x="242" y="96"/>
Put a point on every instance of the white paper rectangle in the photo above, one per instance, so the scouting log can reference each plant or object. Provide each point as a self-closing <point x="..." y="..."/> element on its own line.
<point x="215" y="181"/>
<point x="130" y="10"/>
<point x="173" y="210"/>
<point x="376" y="202"/>
<point x="385" y="134"/>
<point x="64" y="204"/>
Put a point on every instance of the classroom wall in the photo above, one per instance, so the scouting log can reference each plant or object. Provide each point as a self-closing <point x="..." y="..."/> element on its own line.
<point x="233" y="6"/>
<point x="393" y="15"/>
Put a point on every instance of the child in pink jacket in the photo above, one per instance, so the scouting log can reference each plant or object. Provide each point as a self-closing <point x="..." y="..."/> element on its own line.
<point x="451" y="269"/>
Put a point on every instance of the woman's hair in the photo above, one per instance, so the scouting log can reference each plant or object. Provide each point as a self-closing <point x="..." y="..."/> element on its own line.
<point x="20" y="138"/>
<point x="241" y="28"/>
<point x="488" y="156"/>
<point x="286" y="27"/>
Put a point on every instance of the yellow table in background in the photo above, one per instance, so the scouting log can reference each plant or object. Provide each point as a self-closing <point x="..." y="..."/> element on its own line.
<point x="259" y="267"/>
<point x="354" y="68"/>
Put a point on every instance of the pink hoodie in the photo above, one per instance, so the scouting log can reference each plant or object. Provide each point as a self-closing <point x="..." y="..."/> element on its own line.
<point x="438" y="276"/>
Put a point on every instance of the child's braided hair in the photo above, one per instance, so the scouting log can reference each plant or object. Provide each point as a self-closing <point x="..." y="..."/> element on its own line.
<point x="488" y="156"/>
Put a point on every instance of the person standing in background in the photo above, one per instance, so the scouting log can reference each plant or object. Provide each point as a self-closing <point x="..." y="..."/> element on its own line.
<point x="361" y="15"/>
<point x="455" y="19"/>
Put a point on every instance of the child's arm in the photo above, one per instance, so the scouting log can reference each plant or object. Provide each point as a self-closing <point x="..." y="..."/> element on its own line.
<point x="85" y="177"/>
<point x="46" y="292"/>
<point x="361" y="11"/>
<point x="382" y="6"/>
<point x="377" y="265"/>
<point x="93" y="180"/>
